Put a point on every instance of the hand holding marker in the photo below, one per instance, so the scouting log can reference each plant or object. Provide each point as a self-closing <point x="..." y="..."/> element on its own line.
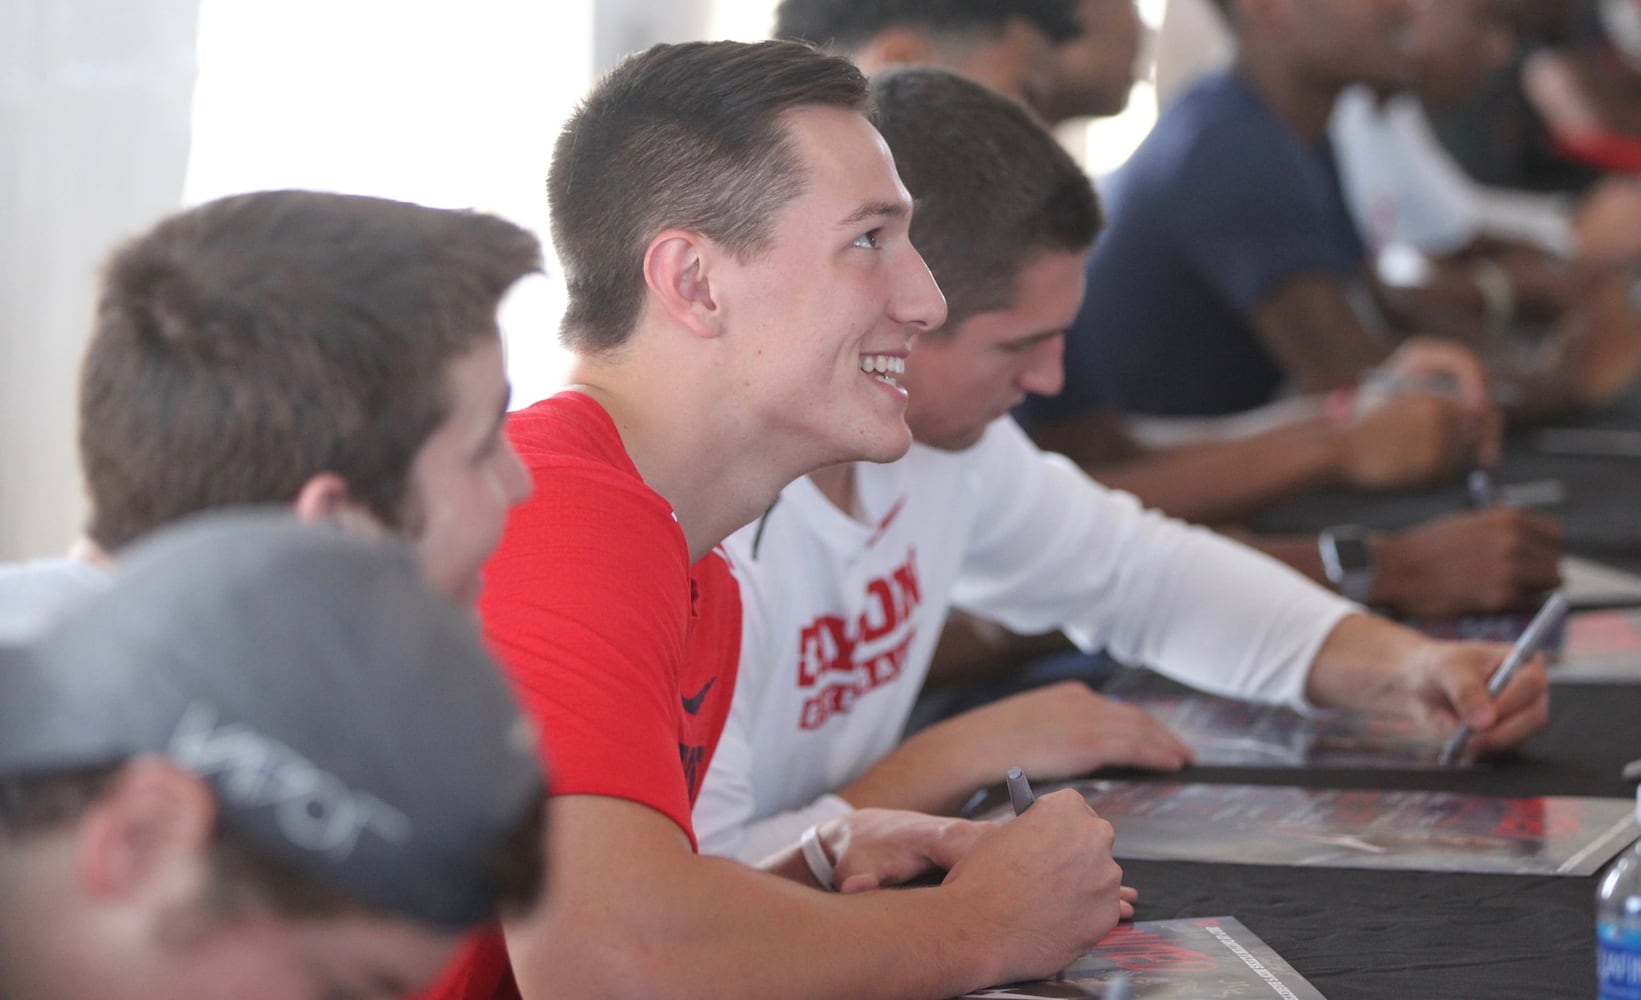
<point x="1021" y="797"/>
<point x="1532" y="637"/>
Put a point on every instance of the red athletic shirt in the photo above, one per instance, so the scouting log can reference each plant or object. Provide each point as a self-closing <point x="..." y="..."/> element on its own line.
<point x="622" y="652"/>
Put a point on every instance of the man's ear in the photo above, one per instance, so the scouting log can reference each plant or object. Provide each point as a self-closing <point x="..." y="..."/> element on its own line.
<point x="153" y="821"/>
<point x="326" y="497"/>
<point x="897" y="46"/>
<point x="678" y="268"/>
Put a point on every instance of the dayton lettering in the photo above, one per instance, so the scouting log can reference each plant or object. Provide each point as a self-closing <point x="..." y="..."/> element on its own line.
<point x="311" y="806"/>
<point x="844" y="659"/>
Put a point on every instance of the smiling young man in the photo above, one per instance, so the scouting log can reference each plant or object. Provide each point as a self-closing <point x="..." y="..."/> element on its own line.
<point x="267" y="761"/>
<point x="742" y="289"/>
<point x="847" y="580"/>
<point x="333" y="352"/>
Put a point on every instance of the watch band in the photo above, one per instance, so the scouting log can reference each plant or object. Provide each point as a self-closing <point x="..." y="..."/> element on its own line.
<point x="1347" y="560"/>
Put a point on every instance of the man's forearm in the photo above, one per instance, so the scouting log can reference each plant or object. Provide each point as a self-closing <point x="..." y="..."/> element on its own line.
<point x="930" y="772"/>
<point x="633" y="913"/>
<point x="1358" y="666"/>
<point x="1248" y="474"/>
<point x="722" y="930"/>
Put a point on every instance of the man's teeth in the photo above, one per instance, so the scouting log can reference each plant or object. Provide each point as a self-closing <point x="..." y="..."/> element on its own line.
<point x="883" y="364"/>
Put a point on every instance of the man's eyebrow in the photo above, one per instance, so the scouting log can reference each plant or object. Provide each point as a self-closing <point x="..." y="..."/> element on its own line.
<point x="874" y="210"/>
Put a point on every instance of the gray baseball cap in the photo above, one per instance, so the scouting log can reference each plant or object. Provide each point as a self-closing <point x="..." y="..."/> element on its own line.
<point x="346" y="717"/>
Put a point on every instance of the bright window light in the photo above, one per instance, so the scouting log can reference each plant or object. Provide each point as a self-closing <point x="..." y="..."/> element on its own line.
<point x="449" y="105"/>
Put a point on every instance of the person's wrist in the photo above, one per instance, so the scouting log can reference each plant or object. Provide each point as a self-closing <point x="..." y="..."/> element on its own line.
<point x="815" y="856"/>
<point x="1348" y="561"/>
<point x="1328" y="437"/>
<point x="1348" y="456"/>
<point x="1339" y="406"/>
<point x="1388" y="566"/>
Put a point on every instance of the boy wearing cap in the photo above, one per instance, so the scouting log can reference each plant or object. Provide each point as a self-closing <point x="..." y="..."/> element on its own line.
<point x="261" y="786"/>
<point x="742" y="293"/>
<point x="333" y="352"/>
<point x="847" y="579"/>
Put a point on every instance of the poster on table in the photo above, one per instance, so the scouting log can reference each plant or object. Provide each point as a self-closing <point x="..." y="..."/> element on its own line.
<point x="1200" y="958"/>
<point x="1358" y="828"/>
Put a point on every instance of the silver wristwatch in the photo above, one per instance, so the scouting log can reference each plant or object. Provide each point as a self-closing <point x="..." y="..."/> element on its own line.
<point x="1348" y="561"/>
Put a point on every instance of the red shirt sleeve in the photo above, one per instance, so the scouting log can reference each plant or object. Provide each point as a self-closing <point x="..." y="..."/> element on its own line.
<point x="587" y="604"/>
<point x="624" y="658"/>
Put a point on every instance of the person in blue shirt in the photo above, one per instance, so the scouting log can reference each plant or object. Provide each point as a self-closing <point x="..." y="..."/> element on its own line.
<point x="1231" y="270"/>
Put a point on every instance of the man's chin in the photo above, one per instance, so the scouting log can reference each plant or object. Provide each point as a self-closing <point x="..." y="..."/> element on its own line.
<point x="957" y="439"/>
<point x="887" y="447"/>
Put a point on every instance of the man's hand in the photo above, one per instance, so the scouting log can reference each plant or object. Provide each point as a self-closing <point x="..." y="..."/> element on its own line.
<point x="876" y="848"/>
<point x="1060" y="731"/>
<point x="1399" y="440"/>
<point x="1450" y="679"/>
<point x="1046" y="883"/>
<point x="1369" y="664"/>
<point x="1449" y="368"/>
<point x="1468" y="562"/>
<point x="882" y="847"/>
<point x="1063" y="731"/>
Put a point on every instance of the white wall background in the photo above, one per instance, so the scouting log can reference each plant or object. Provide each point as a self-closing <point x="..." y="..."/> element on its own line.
<point x="94" y="98"/>
<point x="443" y="103"/>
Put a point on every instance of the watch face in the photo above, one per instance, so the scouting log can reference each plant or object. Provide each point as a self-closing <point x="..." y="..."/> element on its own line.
<point x="1352" y="552"/>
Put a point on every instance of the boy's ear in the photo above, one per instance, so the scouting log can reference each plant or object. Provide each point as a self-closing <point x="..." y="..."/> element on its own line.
<point x="153" y="822"/>
<point x="326" y="497"/>
<point x="897" y="46"/>
<point x="678" y="268"/>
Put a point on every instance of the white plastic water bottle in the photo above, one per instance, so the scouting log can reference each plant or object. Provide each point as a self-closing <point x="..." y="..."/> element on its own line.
<point x="1618" y="925"/>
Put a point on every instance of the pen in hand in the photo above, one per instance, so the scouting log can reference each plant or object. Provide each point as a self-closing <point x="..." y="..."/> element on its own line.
<point x="1532" y="637"/>
<point x="1021" y="797"/>
<point x="1020" y="793"/>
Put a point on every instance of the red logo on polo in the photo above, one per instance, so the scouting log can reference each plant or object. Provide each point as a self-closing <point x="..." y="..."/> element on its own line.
<point x="845" y="658"/>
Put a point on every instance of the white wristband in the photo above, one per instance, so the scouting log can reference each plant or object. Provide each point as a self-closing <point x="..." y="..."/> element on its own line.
<point x="814" y="854"/>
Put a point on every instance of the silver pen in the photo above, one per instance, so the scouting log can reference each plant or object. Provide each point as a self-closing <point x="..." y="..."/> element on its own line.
<point x="1020" y="793"/>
